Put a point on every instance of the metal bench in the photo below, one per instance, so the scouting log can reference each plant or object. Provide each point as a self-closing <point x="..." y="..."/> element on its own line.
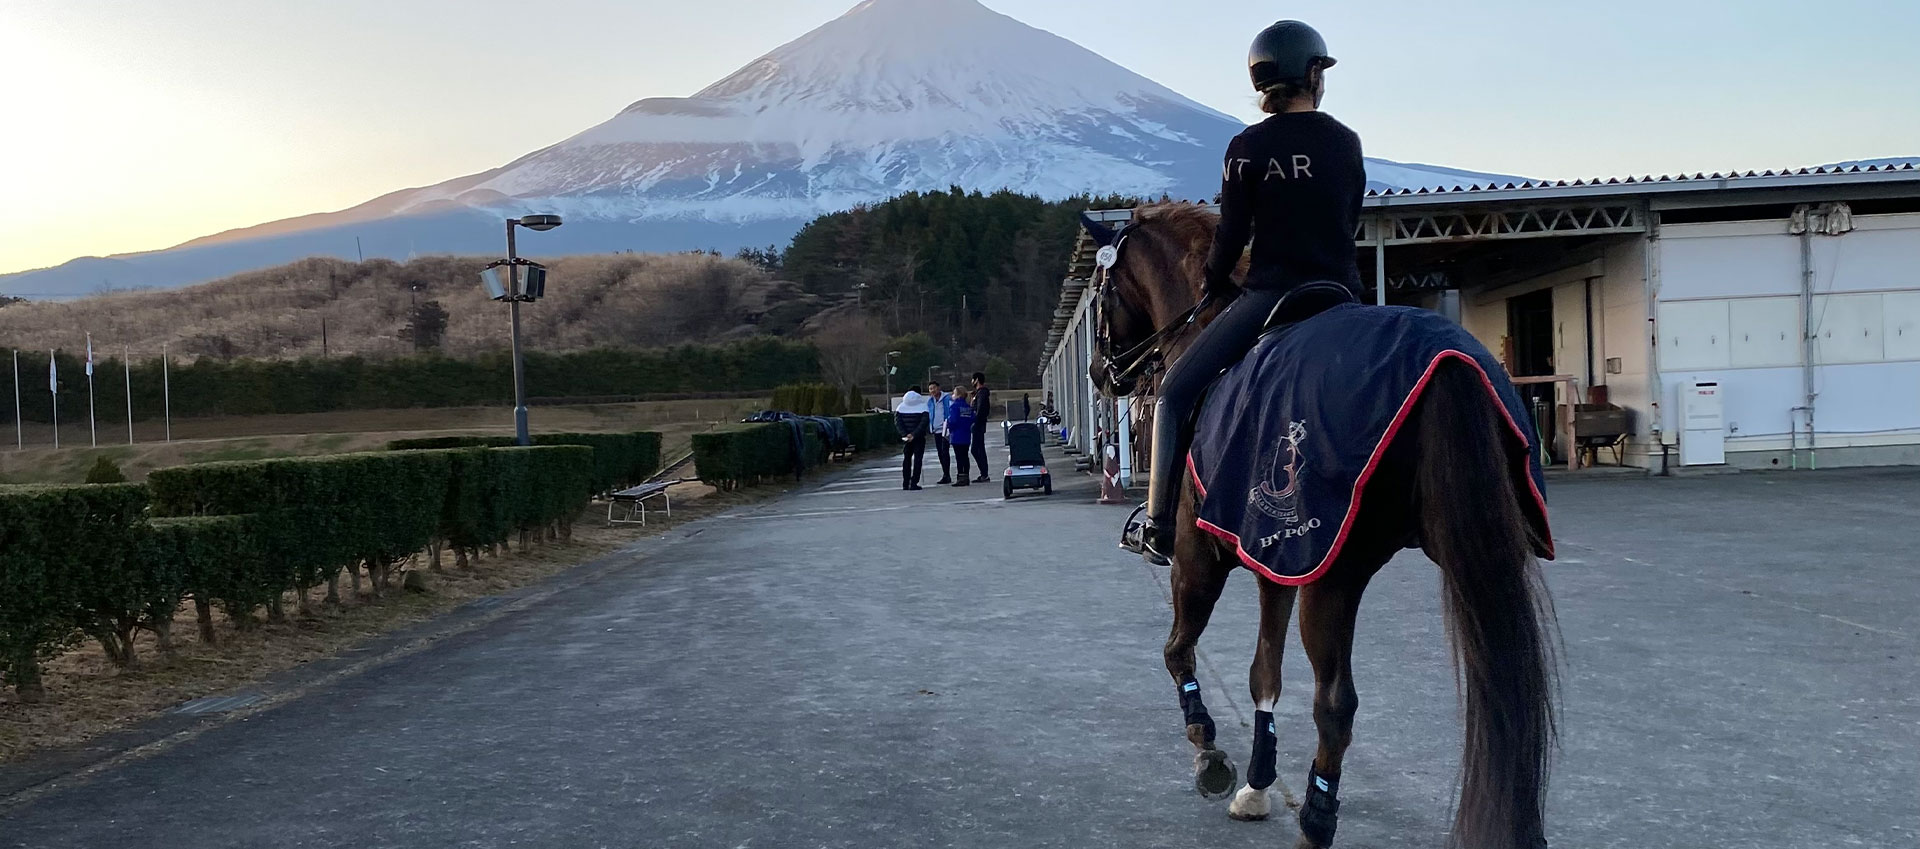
<point x="635" y="501"/>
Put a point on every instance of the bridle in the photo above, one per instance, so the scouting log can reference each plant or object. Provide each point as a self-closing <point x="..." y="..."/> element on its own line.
<point x="1126" y="368"/>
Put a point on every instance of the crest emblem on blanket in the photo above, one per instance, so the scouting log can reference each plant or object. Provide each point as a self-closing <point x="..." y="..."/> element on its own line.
<point x="1278" y="494"/>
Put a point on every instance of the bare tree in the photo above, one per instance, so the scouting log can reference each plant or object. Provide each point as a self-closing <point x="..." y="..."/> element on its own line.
<point x="853" y="348"/>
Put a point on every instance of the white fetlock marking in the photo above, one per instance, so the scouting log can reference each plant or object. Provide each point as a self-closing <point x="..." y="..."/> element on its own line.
<point x="1251" y="803"/>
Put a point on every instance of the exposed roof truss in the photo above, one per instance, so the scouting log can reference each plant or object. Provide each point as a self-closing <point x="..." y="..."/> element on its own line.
<point x="1463" y="224"/>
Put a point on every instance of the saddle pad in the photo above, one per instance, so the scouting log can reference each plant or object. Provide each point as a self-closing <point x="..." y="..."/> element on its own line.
<point x="1287" y="439"/>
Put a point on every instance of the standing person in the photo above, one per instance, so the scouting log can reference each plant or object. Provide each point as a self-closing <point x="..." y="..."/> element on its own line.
<point x="1026" y="407"/>
<point x="960" y="431"/>
<point x="982" y="411"/>
<point x="911" y="420"/>
<point x="937" y="404"/>
<point x="1293" y="184"/>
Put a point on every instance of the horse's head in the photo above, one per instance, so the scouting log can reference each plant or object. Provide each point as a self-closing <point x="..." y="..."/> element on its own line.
<point x="1145" y="290"/>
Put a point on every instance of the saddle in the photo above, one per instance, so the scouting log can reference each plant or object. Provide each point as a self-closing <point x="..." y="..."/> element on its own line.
<point x="1286" y="440"/>
<point x="1307" y="301"/>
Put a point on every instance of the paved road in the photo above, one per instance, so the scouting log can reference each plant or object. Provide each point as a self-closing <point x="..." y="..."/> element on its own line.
<point x="854" y="667"/>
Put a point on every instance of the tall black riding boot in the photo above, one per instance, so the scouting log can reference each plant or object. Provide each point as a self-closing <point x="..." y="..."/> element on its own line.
<point x="1163" y="495"/>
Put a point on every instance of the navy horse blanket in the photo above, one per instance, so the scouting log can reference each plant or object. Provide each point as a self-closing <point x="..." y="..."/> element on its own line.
<point x="1287" y="440"/>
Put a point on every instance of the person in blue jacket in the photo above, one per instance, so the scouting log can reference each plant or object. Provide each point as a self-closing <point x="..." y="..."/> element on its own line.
<point x="960" y="418"/>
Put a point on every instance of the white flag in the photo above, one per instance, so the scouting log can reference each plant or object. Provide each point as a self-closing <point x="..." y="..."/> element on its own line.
<point x="53" y="371"/>
<point x="89" y="355"/>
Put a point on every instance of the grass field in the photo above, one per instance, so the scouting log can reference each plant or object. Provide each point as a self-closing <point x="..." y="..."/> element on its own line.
<point x="260" y="437"/>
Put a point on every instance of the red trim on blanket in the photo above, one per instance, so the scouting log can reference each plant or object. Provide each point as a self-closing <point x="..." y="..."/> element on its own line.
<point x="1373" y="463"/>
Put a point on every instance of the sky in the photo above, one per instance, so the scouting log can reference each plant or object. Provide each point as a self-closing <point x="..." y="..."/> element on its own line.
<point x="136" y="126"/>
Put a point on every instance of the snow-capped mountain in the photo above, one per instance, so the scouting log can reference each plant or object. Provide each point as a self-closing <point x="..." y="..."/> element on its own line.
<point x="893" y="96"/>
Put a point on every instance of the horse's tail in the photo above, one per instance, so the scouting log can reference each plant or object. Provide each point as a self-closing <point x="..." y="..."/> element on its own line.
<point x="1499" y="617"/>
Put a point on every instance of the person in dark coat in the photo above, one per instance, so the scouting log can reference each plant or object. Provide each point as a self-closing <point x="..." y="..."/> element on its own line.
<point x="982" y="411"/>
<point x="910" y="417"/>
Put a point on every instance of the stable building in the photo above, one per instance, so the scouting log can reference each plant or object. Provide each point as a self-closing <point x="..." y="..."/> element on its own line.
<point x="1750" y="320"/>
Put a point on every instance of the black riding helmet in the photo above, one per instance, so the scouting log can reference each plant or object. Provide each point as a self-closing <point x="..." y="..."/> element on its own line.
<point x="1286" y="52"/>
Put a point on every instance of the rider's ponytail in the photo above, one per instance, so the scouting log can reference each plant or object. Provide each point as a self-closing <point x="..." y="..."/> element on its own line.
<point x="1274" y="98"/>
<point x="1276" y="95"/>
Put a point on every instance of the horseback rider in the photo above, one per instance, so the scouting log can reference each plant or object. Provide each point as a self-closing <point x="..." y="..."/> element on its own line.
<point x="1292" y="184"/>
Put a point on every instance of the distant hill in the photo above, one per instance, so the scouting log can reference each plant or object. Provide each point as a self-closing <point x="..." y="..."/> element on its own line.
<point x="343" y="307"/>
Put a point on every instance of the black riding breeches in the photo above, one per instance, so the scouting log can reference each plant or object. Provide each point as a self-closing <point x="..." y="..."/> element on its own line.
<point x="1220" y="344"/>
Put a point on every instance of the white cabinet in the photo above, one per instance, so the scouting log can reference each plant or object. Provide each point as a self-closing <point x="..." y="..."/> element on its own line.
<point x="1764" y="332"/>
<point x="1903" y="325"/>
<point x="1693" y="336"/>
<point x="1848" y="328"/>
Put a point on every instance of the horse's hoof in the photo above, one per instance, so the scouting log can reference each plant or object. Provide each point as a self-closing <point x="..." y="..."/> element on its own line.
<point x="1250" y="805"/>
<point x="1213" y="774"/>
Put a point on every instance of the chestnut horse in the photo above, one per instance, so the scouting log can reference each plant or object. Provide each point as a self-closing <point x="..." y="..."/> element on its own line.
<point x="1441" y="485"/>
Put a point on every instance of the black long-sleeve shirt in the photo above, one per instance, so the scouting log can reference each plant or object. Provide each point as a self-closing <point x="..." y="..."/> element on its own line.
<point x="1293" y="184"/>
<point x="982" y="406"/>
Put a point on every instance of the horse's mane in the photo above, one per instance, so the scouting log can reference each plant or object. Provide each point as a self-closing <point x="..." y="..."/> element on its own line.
<point x="1187" y="232"/>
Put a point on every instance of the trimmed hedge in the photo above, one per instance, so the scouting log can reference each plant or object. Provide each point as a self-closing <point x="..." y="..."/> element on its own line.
<point x="210" y="386"/>
<point x="441" y="443"/>
<point x="813" y="399"/>
<point x="493" y="494"/>
<point x="314" y="516"/>
<point x="62" y="549"/>
<point x="620" y="460"/>
<point x="216" y="560"/>
<point x="748" y="455"/>
<point x="871" y="430"/>
<point x="86" y="560"/>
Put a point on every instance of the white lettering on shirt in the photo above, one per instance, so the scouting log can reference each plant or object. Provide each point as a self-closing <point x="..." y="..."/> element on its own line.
<point x="1274" y="169"/>
<point x="1302" y="166"/>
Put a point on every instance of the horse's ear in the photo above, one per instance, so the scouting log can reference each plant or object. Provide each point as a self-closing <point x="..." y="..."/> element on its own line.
<point x="1102" y="234"/>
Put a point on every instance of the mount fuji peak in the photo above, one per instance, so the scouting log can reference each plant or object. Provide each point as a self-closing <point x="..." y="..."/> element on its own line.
<point x="891" y="97"/>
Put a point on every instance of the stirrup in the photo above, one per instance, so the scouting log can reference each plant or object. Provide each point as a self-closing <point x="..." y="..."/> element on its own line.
<point x="1134" y="538"/>
<point x="1133" y="535"/>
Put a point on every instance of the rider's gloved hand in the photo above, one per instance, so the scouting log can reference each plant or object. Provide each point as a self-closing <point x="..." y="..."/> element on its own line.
<point x="1222" y="286"/>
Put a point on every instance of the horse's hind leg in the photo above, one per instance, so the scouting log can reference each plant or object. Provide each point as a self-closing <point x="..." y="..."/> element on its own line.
<point x="1276" y="608"/>
<point x="1328" y="610"/>
<point x="1200" y="572"/>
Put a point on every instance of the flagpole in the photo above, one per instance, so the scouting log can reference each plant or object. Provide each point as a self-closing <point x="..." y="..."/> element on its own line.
<point x="53" y="388"/>
<point x="126" y="367"/>
<point x="93" y="429"/>
<point x="19" y="432"/>
<point x="166" y="391"/>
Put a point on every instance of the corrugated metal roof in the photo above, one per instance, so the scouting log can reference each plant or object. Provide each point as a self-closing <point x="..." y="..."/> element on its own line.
<point x="1906" y="167"/>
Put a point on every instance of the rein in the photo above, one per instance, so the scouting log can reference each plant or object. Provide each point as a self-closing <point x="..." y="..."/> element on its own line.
<point x="1142" y="359"/>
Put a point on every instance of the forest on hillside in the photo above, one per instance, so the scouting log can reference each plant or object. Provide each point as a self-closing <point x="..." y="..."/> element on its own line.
<point x="979" y="274"/>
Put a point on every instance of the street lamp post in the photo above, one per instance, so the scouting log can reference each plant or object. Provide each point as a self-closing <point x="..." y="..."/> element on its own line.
<point x="514" y="295"/>
<point x="889" y="370"/>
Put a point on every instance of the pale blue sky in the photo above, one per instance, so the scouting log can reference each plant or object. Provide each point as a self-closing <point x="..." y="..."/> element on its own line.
<point x="138" y="125"/>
